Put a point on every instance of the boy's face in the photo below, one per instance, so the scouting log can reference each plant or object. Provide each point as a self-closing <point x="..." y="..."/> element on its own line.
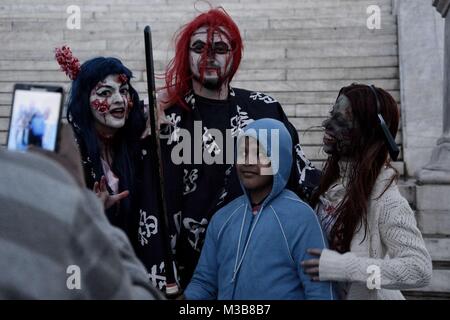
<point x="253" y="165"/>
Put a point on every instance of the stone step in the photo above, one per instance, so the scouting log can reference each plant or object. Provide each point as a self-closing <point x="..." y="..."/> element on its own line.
<point x="174" y="3"/>
<point x="309" y="123"/>
<point x="144" y="5"/>
<point x="354" y="16"/>
<point x="4" y="124"/>
<point x="342" y="73"/>
<point x="434" y="221"/>
<point x="398" y="165"/>
<point x="316" y="153"/>
<point x="313" y="85"/>
<point x="92" y="26"/>
<point x="88" y="49"/>
<point x="154" y="12"/>
<point x="407" y="187"/>
<point x="305" y="74"/>
<point x="290" y="88"/>
<point x="257" y="30"/>
<point x="304" y="111"/>
<point x="308" y="110"/>
<point x="43" y="76"/>
<point x="320" y="33"/>
<point x="187" y="15"/>
<point x="310" y="97"/>
<point x="352" y="21"/>
<point x="440" y="282"/>
<point x="436" y="197"/>
<point x="310" y="137"/>
<point x="85" y="53"/>
<point x="433" y="209"/>
<point x="247" y="64"/>
<point x="48" y="46"/>
<point x="438" y="247"/>
<point x="285" y="98"/>
<point x="5" y="109"/>
<point x="327" y="46"/>
<point x="164" y="39"/>
<point x="368" y="50"/>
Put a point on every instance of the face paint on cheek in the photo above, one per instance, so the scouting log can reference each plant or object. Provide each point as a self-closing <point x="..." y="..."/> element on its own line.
<point x="344" y="141"/>
<point x="101" y="106"/>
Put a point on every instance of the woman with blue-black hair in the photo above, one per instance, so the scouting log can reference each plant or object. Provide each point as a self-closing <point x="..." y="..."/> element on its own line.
<point x="109" y="123"/>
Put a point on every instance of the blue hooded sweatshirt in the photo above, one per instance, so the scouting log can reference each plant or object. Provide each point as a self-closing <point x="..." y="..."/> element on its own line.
<point x="248" y="256"/>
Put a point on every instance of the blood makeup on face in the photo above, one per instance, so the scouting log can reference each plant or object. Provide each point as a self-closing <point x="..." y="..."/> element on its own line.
<point x="210" y="58"/>
<point x="110" y="101"/>
<point x="102" y="106"/>
<point x="122" y="78"/>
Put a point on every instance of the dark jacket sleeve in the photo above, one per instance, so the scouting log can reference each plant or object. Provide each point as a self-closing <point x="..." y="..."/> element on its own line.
<point x="304" y="176"/>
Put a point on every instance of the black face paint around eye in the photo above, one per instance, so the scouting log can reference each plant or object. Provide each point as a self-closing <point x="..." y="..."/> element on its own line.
<point x="339" y="129"/>
<point x="216" y="48"/>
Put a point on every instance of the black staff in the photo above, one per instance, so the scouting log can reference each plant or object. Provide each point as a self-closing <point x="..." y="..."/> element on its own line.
<point x="171" y="284"/>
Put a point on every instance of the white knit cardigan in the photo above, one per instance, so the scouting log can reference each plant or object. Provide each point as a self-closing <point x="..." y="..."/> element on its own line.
<point x="393" y="243"/>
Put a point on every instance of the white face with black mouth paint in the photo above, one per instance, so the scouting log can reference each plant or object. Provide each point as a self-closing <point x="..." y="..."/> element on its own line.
<point x="110" y="101"/>
<point x="211" y="68"/>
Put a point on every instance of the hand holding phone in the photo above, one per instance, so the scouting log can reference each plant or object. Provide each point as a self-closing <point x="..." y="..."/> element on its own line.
<point x="35" y="117"/>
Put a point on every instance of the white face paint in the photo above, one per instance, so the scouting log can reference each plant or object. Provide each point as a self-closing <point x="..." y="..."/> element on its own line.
<point x="210" y="68"/>
<point x="110" y="101"/>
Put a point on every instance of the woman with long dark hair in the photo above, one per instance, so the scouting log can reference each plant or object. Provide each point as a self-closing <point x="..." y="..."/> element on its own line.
<point x="105" y="114"/>
<point x="373" y="236"/>
<point x="110" y="125"/>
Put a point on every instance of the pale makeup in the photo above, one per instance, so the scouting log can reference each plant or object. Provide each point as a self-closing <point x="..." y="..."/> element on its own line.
<point x="110" y="102"/>
<point x="213" y="67"/>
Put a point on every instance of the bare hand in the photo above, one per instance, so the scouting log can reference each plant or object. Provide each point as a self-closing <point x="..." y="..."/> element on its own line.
<point x="101" y="191"/>
<point x="311" y="266"/>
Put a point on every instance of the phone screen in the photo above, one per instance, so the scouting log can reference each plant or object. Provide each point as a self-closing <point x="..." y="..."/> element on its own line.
<point x="35" y="119"/>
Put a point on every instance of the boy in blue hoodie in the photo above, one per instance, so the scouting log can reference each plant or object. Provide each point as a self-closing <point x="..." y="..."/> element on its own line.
<point x="255" y="244"/>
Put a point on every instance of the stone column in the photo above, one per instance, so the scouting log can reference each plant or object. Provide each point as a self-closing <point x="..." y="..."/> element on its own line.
<point x="437" y="171"/>
<point x="421" y="65"/>
<point x="433" y="181"/>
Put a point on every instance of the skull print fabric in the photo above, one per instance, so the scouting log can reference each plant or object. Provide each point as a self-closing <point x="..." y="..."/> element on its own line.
<point x="195" y="191"/>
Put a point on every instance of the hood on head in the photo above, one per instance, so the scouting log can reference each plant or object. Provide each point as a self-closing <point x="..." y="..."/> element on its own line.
<point x="274" y="137"/>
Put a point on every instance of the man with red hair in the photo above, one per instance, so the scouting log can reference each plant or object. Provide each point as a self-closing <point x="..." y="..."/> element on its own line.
<point x="199" y="97"/>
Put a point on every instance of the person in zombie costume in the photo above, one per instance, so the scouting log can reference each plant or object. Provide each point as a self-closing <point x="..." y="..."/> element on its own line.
<point x="109" y="122"/>
<point x="369" y="224"/>
<point x="208" y="52"/>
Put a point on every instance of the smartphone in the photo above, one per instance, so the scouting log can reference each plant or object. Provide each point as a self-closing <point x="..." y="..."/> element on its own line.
<point x="35" y="117"/>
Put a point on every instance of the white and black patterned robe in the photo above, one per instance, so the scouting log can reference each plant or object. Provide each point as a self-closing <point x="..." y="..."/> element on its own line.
<point x="196" y="191"/>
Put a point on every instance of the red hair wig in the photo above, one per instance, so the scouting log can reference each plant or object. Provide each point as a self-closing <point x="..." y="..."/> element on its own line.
<point x="178" y="76"/>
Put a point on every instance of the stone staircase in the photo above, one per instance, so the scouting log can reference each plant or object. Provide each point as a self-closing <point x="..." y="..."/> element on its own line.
<point x="300" y="51"/>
